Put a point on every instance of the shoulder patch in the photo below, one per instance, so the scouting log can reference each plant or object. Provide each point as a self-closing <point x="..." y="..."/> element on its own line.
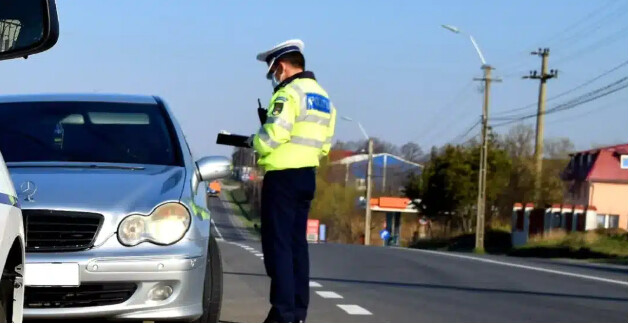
<point x="277" y="108"/>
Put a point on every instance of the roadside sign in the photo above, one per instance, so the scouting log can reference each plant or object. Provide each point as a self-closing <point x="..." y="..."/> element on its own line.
<point x="385" y="235"/>
<point x="624" y="162"/>
<point x="312" y="230"/>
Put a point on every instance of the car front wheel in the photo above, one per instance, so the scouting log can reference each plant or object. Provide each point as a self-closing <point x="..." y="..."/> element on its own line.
<point x="213" y="285"/>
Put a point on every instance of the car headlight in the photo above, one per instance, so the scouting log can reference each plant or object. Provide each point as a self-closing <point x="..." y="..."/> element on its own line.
<point x="166" y="225"/>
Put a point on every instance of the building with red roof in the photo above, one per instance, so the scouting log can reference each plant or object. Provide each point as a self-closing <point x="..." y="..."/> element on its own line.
<point x="599" y="178"/>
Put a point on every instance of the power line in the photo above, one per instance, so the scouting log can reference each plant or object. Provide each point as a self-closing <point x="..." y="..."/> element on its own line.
<point x="567" y="91"/>
<point x="591" y="96"/>
<point x="588" y="112"/>
<point x="433" y="129"/>
<point x="589" y="30"/>
<point x="592" y="14"/>
<point x="458" y="138"/>
<point x="619" y="34"/>
<point x="578" y="100"/>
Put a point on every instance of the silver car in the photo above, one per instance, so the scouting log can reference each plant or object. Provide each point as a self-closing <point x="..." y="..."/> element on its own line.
<point x="114" y="209"/>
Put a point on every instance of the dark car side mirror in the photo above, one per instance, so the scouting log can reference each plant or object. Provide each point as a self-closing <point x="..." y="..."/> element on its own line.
<point x="27" y="27"/>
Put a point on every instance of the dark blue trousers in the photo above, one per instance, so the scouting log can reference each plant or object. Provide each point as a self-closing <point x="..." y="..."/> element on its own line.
<point x="286" y="200"/>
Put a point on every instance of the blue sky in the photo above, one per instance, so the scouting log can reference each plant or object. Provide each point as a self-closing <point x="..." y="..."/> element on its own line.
<point x="388" y="64"/>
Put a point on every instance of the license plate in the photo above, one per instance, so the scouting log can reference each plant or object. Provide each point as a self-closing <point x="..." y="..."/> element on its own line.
<point x="51" y="274"/>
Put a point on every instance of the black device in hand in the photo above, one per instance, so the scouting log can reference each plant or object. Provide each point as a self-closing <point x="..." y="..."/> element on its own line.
<point x="233" y="140"/>
<point x="262" y="113"/>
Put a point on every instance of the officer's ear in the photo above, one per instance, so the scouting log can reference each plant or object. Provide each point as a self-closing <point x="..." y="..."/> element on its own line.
<point x="280" y="68"/>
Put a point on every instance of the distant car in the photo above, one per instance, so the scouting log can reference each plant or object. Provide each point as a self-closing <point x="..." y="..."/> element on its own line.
<point x="213" y="189"/>
<point x="116" y="220"/>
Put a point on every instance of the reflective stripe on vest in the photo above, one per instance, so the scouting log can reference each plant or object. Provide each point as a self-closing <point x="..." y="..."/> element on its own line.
<point x="265" y="138"/>
<point x="319" y="120"/>
<point x="305" y="117"/>
<point x="307" y="142"/>
<point x="280" y="122"/>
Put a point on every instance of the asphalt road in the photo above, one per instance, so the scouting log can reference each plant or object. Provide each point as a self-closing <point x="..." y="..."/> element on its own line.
<point x="353" y="283"/>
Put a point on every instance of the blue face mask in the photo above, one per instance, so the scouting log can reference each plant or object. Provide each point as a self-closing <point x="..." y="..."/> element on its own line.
<point x="274" y="82"/>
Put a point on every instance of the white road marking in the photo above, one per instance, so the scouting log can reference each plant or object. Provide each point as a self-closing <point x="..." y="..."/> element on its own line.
<point x="329" y="294"/>
<point x="354" y="310"/>
<point x="216" y="228"/>
<point x="314" y="284"/>
<point x="259" y="254"/>
<point x="521" y="266"/>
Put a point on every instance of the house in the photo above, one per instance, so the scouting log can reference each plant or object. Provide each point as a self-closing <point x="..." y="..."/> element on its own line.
<point x="599" y="178"/>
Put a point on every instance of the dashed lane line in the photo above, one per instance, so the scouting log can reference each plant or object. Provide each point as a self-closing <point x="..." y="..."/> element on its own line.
<point x="350" y="309"/>
<point x="314" y="284"/>
<point x="329" y="294"/>
<point x="354" y="309"/>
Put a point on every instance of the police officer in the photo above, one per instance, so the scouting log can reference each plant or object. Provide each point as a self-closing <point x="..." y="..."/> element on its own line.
<point x="297" y="133"/>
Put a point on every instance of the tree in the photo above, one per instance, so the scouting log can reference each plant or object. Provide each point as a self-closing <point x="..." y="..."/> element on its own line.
<point x="558" y="148"/>
<point x="339" y="145"/>
<point x="519" y="142"/>
<point x="412" y="152"/>
<point x="336" y="206"/>
<point x="447" y="187"/>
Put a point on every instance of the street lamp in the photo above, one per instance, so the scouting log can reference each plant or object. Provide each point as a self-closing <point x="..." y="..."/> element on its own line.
<point x="472" y="39"/>
<point x="368" y="194"/>
<point x="483" y="154"/>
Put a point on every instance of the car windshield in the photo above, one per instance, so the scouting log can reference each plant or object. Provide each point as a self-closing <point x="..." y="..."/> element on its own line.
<point x="86" y="132"/>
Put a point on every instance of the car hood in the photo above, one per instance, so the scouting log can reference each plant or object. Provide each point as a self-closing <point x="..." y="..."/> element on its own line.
<point x="111" y="191"/>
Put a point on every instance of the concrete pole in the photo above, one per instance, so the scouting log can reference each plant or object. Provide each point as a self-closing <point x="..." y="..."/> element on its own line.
<point x="540" y="123"/>
<point x="481" y="195"/>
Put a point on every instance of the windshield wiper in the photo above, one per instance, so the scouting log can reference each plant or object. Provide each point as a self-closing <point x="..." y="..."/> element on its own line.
<point x="77" y="165"/>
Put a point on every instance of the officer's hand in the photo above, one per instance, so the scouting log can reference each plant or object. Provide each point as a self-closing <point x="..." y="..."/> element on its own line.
<point x="262" y="115"/>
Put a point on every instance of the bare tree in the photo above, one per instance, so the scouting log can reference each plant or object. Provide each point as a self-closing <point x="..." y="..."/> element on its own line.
<point x="558" y="148"/>
<point x="519" y="142"/>
<point x="412" y="152"/>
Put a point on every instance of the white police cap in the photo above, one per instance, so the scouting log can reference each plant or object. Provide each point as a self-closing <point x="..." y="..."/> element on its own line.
<point x="270" y="56"/>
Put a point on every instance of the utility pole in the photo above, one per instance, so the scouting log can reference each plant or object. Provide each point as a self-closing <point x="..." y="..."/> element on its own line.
<point x="368" y="194"/>
<point x="540" y="120"/>
<point x="483" y="158"/>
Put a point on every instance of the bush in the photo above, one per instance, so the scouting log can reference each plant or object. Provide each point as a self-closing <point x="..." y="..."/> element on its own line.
<point x="596" y="244"/>
<point x="495" y="241"/>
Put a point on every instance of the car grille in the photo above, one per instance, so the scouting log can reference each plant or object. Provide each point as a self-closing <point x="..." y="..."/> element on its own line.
<point x="86" y="295"/>
<point x="54" y="231"/>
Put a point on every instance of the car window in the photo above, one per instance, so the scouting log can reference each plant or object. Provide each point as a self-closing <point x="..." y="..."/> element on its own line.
<point x="86" y="132"/>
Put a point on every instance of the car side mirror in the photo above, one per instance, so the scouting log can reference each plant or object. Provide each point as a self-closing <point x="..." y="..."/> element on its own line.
<point x="27" y="27"/>
<point x="213" y="168"/>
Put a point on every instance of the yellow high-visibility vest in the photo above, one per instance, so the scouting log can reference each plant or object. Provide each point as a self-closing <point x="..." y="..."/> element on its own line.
<point x="299" y="128"/>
